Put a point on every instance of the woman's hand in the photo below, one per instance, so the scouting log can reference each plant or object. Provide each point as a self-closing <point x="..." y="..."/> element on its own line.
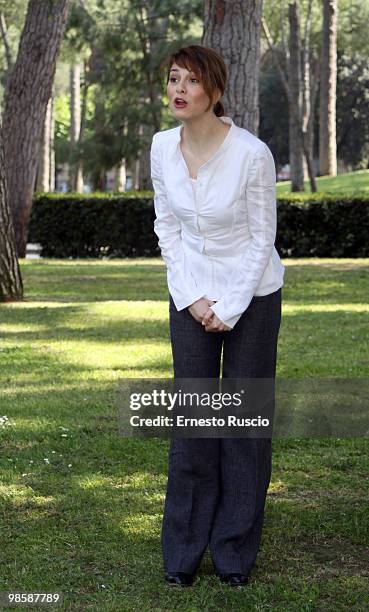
<point x="212" y="323"/>
<point x="199" y="308"/>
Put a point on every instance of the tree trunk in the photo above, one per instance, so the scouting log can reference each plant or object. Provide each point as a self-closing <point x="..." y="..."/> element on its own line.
<point x="137" y="164"/>
<point x="306" y="88"/>
<point x="98" y="175"/>
<point x="143" y="162"/>
<point x="300" y="111"/>
<point x="52" y="146"/>
<point x="26" y="99"/>
<point x="314" y="82"/>
<point x="120" y="177"/>
<point x="327" y="110"/>
<point x="11" y="286"/>
<point x="44" y="166"/>
<point x="75" y="165"/>
<point x="233" y="30"/>
<point x="295" y="105"/>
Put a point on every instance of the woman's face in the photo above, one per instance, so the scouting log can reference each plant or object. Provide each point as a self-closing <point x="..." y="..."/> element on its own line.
<point x="185" y="85"/>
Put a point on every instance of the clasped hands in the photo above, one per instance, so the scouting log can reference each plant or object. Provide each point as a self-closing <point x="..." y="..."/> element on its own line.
<point x="202" y="313"/>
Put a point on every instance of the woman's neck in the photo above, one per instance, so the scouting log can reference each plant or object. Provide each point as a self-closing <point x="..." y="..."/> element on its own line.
<point x="203" y="133"/>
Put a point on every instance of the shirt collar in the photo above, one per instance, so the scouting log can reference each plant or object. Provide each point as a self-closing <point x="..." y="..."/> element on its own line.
<point x="176" y="150"/>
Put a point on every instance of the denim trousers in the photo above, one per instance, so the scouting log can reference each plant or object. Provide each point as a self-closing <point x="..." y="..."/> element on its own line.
<point x="216" y="488"/>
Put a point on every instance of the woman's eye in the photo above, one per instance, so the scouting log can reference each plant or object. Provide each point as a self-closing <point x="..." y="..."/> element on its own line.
<point x="172" y="79"/>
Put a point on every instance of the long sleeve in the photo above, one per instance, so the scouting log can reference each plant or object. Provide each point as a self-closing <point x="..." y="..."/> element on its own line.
<point x="262" y="219"/>
<point x="181" y="283"/>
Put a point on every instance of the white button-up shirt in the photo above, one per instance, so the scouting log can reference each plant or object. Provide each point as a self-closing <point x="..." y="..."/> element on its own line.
<point x="217" y="233"/>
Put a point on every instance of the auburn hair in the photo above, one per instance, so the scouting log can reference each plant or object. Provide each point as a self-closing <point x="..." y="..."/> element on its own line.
<point x="208" y="66"/>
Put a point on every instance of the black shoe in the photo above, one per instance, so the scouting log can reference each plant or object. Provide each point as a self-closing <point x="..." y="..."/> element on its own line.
<point x="234" y="579"/>
<point x="179" y="578"/>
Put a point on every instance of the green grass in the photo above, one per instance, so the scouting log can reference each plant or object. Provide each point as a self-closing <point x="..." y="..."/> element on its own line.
<point x="347" y="183"/>
<point x="87" y="521"/>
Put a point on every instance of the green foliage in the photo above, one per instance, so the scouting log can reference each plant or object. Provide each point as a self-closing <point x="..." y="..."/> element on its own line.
<point x="323" y="225"/>
<point x="14" y="14"/>
<point x="353" y="110"/>
<point x="320" y="225"/>
<point x="352" y="20"/>
<point x="96" y="225"/>
<point x="127" y="42"/>
<point x="352" y="106"/>
<point x="62" y="128"/>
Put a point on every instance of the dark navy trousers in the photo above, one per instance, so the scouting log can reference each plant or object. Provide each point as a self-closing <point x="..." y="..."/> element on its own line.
<point x="217" y="487"/>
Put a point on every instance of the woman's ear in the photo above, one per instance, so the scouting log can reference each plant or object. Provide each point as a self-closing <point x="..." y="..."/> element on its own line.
<point x="216" y="96"/>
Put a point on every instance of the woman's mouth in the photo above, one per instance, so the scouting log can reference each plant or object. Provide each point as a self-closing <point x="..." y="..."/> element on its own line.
<point x="180" y="103"/>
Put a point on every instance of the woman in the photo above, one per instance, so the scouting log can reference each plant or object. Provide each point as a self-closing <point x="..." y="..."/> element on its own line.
<point x="215" y="209"/>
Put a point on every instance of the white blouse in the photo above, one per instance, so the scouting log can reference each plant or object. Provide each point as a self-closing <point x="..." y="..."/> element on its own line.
<point x="217" y="233"/>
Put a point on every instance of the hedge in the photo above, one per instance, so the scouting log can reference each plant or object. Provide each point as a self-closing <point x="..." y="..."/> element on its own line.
<point x="97" y="225"/>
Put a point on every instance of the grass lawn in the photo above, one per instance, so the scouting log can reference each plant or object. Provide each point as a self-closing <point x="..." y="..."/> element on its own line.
<point x="81" y="506"/>
<point x="349" y="182"/>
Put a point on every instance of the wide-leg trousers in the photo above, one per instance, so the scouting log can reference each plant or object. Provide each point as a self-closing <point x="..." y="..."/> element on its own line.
<point x="217" y="487"/>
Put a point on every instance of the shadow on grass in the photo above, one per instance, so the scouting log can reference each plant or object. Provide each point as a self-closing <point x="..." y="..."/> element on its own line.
<point x="330" y="281"/>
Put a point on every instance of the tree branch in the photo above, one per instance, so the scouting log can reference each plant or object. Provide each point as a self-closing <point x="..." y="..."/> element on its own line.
<point x="4" y="36"/>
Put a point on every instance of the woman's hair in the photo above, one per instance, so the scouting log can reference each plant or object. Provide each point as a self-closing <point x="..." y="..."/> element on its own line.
<point x="208" y="65"/>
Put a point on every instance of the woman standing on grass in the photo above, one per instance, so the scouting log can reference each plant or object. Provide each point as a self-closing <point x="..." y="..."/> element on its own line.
<point x="215" y="209"/>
